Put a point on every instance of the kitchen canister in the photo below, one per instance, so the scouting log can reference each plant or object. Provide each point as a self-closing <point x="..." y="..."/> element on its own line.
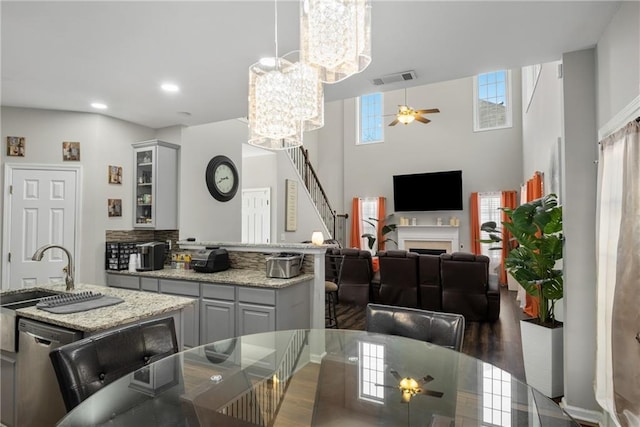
<point x="134" y="262"/>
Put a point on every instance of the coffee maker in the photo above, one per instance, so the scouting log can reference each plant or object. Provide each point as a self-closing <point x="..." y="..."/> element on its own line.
<point x="151" y="256"/>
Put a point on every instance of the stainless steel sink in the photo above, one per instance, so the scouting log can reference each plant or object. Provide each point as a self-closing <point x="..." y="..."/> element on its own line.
<point x="24" y="298"/>
<point x="8" y="304"/>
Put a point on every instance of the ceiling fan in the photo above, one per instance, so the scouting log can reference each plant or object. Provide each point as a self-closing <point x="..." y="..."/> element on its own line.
<point x="407" y="114"/>
<point x="410" y="387"/>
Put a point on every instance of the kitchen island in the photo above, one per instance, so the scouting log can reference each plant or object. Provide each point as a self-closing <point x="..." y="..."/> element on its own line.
<point x="28" y="380"/>
<point x="228" y="303"/>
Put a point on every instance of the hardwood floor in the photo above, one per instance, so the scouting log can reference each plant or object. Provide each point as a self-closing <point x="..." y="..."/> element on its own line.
<point x="497" y="343"/>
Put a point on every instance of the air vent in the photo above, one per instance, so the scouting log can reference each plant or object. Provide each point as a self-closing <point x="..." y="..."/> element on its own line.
<point x="394" y="78"/>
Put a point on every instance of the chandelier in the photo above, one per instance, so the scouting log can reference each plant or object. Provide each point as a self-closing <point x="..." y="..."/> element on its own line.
<point x="273" y="122"/>
<point x="335" y="36"/>
<point x="285" y="98"/>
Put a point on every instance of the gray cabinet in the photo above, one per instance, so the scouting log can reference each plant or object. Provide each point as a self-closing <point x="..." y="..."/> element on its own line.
<point x="217" y="312"/>
<point x="217" y="320"/>
<point x="224" y="311"/>
<point x="155" y="185"/>
<point x="123" y="281"/>
<point x="7" y="388"/>
<point x="254" y="318"/>
<point x="191" y="313"/>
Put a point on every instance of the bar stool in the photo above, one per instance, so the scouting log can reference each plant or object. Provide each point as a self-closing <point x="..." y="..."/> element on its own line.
<point x="332" y="275"/>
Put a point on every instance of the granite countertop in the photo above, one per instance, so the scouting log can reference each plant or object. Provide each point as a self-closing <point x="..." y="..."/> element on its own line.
<point x="137" y="305"/>
<point x="232" y="276"/>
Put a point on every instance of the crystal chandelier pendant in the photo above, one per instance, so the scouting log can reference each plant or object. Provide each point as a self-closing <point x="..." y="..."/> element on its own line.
<point x="335" y="36"/>
<point x="273" y="119"/>
<point x="308" y="94"/>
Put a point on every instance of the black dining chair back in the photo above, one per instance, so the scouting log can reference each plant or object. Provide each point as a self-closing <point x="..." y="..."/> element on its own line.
<point x="443" y="329"/>
<point x="83" y="367"/>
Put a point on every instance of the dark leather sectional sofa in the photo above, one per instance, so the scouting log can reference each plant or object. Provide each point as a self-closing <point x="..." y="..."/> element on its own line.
<point x="453" y="283"/>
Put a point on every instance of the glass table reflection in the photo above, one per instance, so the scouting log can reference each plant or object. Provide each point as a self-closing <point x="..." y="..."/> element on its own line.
<point x="318" y="377"/>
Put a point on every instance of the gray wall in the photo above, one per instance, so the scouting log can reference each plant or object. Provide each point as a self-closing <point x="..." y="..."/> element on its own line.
<point x="618" y="61"/>
<point x="579" y="219"/>
<point x="201" y="216"/>
<point x="542" y="122"/>
<point x="489" y="160"/>
<point x="103" y="141"/>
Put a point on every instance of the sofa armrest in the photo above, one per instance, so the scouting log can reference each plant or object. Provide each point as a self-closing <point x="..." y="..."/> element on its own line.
<point x="493" y="288"/>
<point x="493" y="301"/>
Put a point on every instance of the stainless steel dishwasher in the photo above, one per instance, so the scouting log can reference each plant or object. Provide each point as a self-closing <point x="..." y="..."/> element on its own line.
<point x="39" y="399"/>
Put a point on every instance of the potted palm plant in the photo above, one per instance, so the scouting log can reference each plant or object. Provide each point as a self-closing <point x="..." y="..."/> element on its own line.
<point x="536" y="228"/>
<point x="386" y="229"/>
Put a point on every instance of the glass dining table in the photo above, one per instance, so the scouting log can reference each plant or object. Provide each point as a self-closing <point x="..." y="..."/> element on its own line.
<point x="318" y="378"/>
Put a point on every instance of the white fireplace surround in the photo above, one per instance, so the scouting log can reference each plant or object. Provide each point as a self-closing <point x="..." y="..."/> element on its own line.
<point x="442" y="236"/>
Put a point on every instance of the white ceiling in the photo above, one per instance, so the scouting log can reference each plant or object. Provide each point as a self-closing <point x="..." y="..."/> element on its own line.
<point x="65" y="55"/>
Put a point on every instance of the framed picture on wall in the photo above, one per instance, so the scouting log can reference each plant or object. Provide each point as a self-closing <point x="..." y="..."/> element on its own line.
<point x="115" y="174"/>
<point x="291" y="205"/>
<point x="15" y="146"/>
<point x="70" y="151"/>
<point x="114" y="207"/>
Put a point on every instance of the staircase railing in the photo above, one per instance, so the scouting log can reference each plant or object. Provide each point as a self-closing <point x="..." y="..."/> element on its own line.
<point x="335" y="223"/>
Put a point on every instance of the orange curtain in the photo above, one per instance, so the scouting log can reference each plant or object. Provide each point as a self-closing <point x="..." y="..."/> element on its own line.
<point x="534" y="191"/>
<point x="508" y="200"/>
<point x="475" y="225"/>
<point x="355" y="241"/>
<point x="381" y="216"/>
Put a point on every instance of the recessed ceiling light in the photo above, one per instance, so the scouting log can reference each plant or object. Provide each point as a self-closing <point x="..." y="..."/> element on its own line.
<point x="170" y="87"/>
<point x="99" y="105"/>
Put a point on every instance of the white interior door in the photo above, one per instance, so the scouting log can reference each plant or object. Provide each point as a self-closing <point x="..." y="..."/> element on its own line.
<point x="41" y="208"/>
<point x="256" y="215"/>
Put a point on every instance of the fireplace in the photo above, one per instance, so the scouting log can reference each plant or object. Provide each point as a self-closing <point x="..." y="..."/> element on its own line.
<point x="440" y="238"/>
<point x="428" y="251"/>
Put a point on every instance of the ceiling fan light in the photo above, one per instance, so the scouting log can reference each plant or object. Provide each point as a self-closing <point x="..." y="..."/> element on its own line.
<point x="405" y="119"/>
<point x="335" y="36"/>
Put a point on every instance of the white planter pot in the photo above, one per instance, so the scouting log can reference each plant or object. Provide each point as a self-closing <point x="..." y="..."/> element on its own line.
<point x="542" y="350"/>
<point x="512" y="284"/>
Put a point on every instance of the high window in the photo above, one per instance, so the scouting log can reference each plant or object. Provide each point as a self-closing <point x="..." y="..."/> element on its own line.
<point x="370" y="118"/>
<point x="492" y="100"/>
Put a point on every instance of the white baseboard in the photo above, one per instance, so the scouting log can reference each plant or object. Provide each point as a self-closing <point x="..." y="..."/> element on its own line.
<point x="581" y="414"/>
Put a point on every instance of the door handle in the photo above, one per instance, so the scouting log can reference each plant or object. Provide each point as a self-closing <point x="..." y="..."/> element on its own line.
<point x="38" y="339"/>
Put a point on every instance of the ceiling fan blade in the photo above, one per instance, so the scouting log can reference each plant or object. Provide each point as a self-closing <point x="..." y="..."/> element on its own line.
<point x="422" y="119"/>
<point x="432" y="110"/>
<point x="427" y="379"/>
<point x="385" y="386"/>
<point x="395" y="122"/>
<point x="395" y="374"/>
<point x="431" y="393"/>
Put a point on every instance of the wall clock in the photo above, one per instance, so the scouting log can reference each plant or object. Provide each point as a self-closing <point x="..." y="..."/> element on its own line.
<point x="222" y="178"/>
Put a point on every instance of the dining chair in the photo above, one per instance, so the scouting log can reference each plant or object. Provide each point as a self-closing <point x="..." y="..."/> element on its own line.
<point x="332" y="276"/>
<point x="443" y="329"/>
<point x="83" y="367"/>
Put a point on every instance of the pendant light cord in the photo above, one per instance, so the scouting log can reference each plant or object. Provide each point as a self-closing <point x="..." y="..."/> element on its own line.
<point x="276" y="25"/>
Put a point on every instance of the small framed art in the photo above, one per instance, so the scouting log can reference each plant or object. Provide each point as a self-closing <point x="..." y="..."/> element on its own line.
<point x="70" y="151"/>
<point x="114" y="207"/>
<point x="15" y="146"/>
<point x="115" y="174"/>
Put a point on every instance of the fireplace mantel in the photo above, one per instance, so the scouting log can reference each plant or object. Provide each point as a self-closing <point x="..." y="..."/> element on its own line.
<point x="428" y="233"/>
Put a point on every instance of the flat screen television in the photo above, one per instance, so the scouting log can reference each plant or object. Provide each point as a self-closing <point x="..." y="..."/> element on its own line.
<point x="433" y="191"/>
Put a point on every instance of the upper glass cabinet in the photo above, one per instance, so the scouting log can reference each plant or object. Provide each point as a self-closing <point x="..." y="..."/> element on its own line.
<point x="156" y="185"/>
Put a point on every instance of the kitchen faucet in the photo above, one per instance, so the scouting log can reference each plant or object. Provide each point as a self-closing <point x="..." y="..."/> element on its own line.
<point x="68" y="269"/>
